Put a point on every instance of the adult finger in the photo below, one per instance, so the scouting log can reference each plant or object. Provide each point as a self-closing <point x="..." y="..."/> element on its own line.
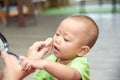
<point x="9" y="60"/>
<point x="43" y="52"/>
<point x="37" y="45"/>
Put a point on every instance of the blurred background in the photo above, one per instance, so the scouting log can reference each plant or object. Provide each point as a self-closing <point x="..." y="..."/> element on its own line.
<point x="23" y="22"/>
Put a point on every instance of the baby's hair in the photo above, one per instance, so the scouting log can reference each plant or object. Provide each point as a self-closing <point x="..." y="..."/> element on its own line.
<point x="92" y="28"/>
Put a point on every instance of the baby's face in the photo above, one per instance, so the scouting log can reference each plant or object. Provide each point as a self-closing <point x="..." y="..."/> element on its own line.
<point x="67" y="40"/>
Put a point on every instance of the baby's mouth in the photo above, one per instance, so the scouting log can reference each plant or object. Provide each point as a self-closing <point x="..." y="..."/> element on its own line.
<point x="56" y="49"/>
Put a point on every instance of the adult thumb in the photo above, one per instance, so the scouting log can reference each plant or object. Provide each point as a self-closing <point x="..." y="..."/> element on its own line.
<point x="5" y="57"/>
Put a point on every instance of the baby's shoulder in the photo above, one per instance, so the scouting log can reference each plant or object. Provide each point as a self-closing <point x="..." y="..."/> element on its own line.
<point x="82" y="59"/>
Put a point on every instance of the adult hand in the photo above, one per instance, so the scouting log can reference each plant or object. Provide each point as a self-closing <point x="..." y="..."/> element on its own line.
<point x="1" y="74"/>
<point x="12" y="68"/>
<point x="37" y="50"/>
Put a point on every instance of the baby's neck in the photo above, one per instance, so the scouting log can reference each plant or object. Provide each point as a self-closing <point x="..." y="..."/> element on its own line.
<point x="63" y="61"/>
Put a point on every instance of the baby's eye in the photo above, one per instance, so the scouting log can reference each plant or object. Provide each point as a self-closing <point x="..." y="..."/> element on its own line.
<point x="57" y="34"/>
<point x="65" y="39"/>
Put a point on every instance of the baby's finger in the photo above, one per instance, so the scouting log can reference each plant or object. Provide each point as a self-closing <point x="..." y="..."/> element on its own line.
<point x="28" y="67"/>
<point x="25" y="62"/>
<point x="22" y="58"/>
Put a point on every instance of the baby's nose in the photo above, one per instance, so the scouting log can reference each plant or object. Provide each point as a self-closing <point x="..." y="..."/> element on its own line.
<point x="58" y="40"/>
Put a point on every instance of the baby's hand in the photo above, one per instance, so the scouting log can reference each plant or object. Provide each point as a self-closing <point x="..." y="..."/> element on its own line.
<point x="31" y="65"/>
<point x="26" y="64"/>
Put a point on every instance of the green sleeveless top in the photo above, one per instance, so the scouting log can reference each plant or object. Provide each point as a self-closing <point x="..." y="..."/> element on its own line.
<point x="79" y="63"/>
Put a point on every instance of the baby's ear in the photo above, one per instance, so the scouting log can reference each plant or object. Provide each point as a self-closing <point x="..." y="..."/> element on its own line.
<point x="83" y="50"/>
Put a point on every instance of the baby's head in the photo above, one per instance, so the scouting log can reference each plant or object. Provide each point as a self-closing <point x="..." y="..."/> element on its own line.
<point x="75" y="35"/>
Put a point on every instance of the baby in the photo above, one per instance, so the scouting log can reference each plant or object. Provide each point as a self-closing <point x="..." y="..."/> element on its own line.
<point x="73" y="39"/>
